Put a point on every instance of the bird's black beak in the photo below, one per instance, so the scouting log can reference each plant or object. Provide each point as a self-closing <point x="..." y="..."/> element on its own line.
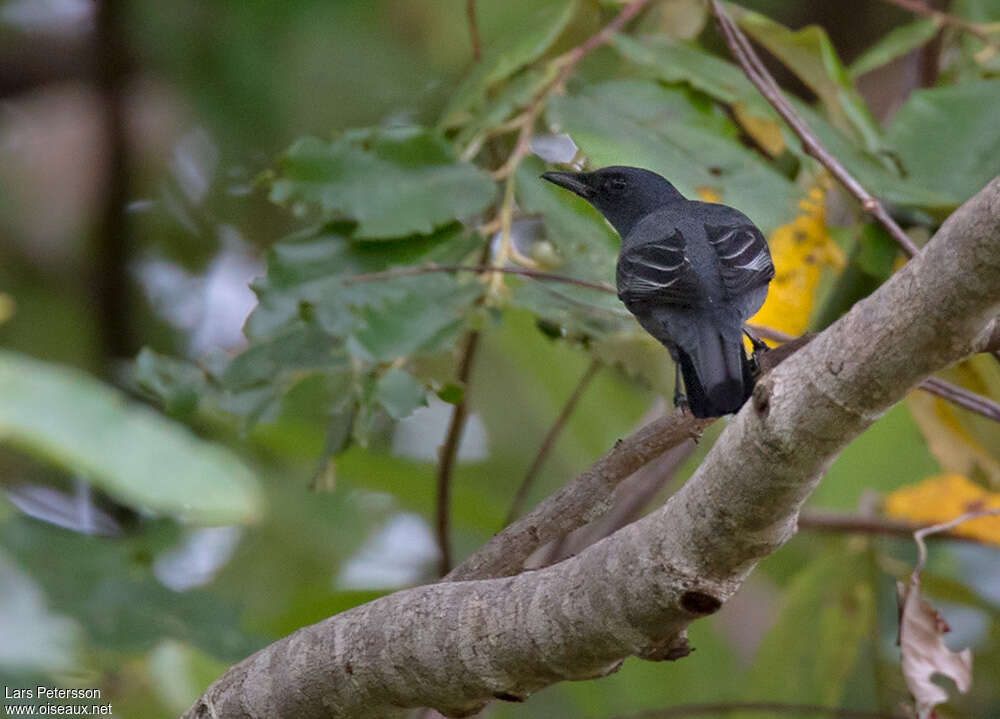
<point x="572" y="181"/>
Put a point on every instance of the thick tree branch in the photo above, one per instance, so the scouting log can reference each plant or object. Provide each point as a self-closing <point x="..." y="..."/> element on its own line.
<point x="455" y="646"/>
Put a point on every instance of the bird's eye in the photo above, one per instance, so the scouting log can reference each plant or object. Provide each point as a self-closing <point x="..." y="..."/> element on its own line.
<point x="616" y="184"/>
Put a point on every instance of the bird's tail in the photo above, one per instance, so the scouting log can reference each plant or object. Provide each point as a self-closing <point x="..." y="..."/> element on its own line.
<point x="717" y="374"/>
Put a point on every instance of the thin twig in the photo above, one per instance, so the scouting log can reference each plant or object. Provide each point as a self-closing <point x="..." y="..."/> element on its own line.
<point x="630" y="498"/>
<point x="946" y="390"/>
<point x="110" y="279"/>
<point x="584" y="499"/>
<point x="481" y="269"/>
<point x="853" y="524"/>
<point x="690" y="710"/>
<point x="765" y="83"/>
<point x="920" y="534"/>
<point x="566" y="64"/>
<point x="944" y="18"/>
<point x="550" y="440"/>
<point x="962" y="397"/>
<point x="448" y="454"/>
<point x="473" y="21"/>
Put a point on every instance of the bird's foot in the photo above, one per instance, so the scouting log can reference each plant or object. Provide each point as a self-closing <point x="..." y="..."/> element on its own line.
<point x="759" y="347"/>
<point x="681" y="402"/>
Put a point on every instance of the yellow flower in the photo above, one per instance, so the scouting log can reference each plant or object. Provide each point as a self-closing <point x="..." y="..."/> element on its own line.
<point x="709" y="194"/>
<point x="801" y="250"/>
<point x="944" y="497"/>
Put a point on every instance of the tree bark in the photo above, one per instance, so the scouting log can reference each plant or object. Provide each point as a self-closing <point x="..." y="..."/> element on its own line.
<point x="454" y="646"/>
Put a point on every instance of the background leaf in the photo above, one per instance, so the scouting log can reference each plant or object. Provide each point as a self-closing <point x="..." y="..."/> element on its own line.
<point x="947" y="140"/>
<point x="392" y="182"/>
<point x="897" y="42"/>
<point x="126" y="449"/>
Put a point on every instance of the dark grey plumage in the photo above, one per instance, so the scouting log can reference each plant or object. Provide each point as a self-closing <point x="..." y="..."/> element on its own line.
<point x="691" y="272"/>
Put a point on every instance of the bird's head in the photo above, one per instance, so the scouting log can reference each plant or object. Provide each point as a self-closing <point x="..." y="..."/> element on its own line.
<point x="624" y="195"/>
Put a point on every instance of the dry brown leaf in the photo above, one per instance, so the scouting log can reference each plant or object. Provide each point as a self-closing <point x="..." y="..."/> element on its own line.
<point x="924" y="654"/>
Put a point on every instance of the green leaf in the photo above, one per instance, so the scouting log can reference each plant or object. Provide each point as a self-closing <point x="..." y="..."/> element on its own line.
<point x="399" y="393"/>
<point x="826" y="616"/>
<point x="811" y="56"/>
<point x="391" y="182"/>
<point x="948" y="138"/>
<point x="641" y="124"/>
<point x="128" y="450"/>
<point x="424" y="315"/>
<point x="677" y="62"/>
<point x="44" y="640"/>
<point x="451" y="393"/>
<point x="109" y="587"/>
<point x="897" y="42"/>
<point x="507" y="52"/>
<point x="877" y="252"/>
<point x="868" y="170"/>
<point x="175" y="383"/>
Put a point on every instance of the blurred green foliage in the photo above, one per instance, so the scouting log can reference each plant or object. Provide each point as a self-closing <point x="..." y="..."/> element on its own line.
<point x="338" y="396"/>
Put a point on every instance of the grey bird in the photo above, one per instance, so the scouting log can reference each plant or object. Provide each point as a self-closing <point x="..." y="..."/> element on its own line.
<point x="691" y="272"/>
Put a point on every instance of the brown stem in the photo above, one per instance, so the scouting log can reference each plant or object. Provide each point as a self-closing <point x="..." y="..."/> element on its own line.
<point x="110" y="271"/>
<point x="470" y="14"/>
<point x="765" y="83"/>
<point x="944" y="18"/>
<point x="630" y="498"/>
<point x="923" y="532"/>
<point x="851" y="524"/>
<point x="584" y="499"/>
<point x="481" y="269"/>
<point x="566" y="63"/>
<point x="448" y="453"/>
<point x="549" y="442"/>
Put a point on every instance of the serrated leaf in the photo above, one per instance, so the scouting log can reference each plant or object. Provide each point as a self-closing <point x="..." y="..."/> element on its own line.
<point x="312" y="266"/>
<point x="422" y="320"/>
<point x="506" y="53"/>
<point x="74" y="421"/>
<point x="392" y="183"/>
<point x="948" y="138"/>
<point x="897" y="42"/>
<point x="399" y="393"/>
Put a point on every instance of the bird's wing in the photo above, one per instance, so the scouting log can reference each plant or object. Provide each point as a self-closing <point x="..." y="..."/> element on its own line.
<point x="657" y="271"/>
<point x="744" y="258"/>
